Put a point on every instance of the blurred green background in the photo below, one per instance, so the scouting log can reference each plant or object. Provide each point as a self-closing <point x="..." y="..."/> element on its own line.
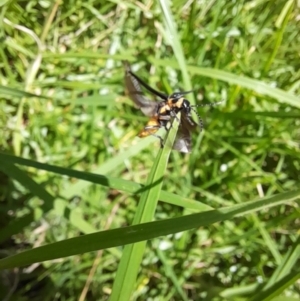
<point x="63" y="103"/>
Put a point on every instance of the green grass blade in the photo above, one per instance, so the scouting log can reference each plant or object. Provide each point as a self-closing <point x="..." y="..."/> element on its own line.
<point x="171" y="274"/>
<point x="17" y="174"/>
<point x="133" y="254"/>
<point x="278" y="287"/>
<point x="257" y="86"/>
<point x="142" y="232"/>
<point x="48" y="203"/>
<point x="19" y="223"/>
<point x="174" y="41"/>
<point x="268" y="239"/>
<point x="16" y="226"/>
<point x="107" y="181"/>
<point x="290" y="260"/>
<point x="6" y="91"/>
<point x="286" y="266"/>
<point x="281" y="22"/>
<point x="233" y="292"/>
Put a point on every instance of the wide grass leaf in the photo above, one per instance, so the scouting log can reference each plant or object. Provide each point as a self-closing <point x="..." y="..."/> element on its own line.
<point x="142" y="232"/>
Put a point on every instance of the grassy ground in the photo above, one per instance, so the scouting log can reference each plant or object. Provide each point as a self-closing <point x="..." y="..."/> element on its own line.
<point x="63" y="105"/>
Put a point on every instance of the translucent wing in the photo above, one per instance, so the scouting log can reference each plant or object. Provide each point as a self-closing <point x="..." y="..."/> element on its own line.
<point x="134" y="90"/>
<point x="183" y="142"/>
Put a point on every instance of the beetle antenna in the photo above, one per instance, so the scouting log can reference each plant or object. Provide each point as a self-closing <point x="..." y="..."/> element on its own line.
<point x="199" y="117"/>
<point x="210" y="104"/>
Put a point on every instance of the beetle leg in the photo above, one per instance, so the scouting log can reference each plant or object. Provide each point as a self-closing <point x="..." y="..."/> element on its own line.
<point x="160" y="139"/>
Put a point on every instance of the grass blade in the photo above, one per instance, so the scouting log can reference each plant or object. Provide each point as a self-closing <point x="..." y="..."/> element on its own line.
<point x="174" y="41"/>
<point x="171" y="274"/>
<point x="106" y="181"/>
<point x="142" y="232"/>
<point x="132" y="255"/>
<point x="18" y="93"/>
<point x="257" y="86"/>
<point x="278" y="287"/>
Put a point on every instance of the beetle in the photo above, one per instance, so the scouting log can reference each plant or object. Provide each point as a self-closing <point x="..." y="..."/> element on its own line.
<point x="161" y="113"/>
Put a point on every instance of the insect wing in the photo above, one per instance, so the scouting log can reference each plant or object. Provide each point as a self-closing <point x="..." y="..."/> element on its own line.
<point x="134" y="90"/>
<point x="183" y="141"/>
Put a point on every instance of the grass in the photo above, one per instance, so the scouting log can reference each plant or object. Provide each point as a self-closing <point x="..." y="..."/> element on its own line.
<point x="104" y="214"/>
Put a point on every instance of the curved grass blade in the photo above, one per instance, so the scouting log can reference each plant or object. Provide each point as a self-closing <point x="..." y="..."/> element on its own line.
<point x="246" y="82"/>
<point x="107" y="181"/>
<point x="142" y="232"/>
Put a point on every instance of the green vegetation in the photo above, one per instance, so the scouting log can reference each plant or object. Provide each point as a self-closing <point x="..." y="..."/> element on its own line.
<point x="221" y="223"/>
